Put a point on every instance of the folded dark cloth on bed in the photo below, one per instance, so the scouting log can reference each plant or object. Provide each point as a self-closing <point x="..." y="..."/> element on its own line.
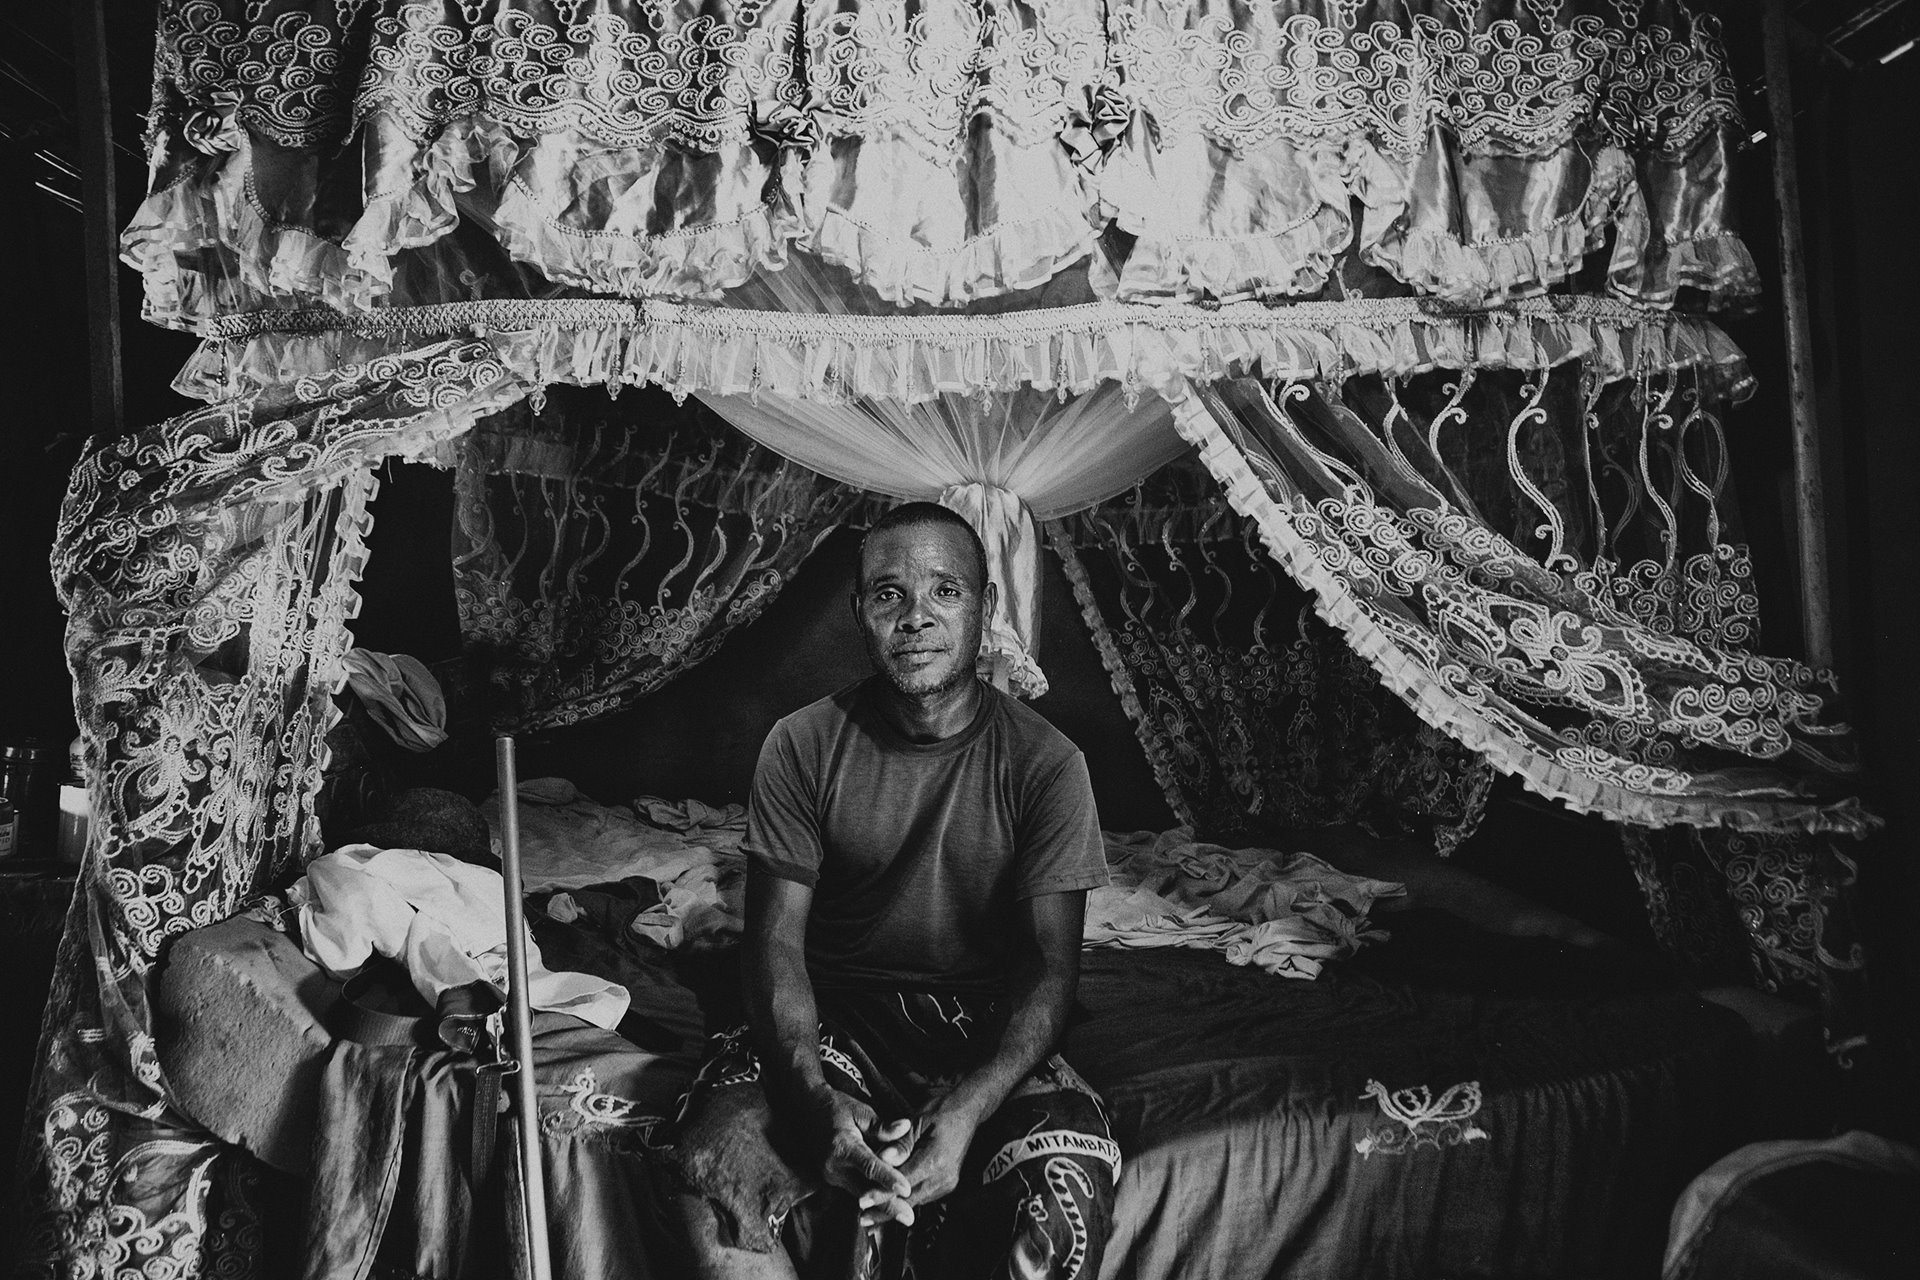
<point x="663" y="1015"/>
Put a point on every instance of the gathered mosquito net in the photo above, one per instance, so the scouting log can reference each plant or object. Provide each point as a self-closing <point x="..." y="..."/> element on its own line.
<point x="1399" y="303"/>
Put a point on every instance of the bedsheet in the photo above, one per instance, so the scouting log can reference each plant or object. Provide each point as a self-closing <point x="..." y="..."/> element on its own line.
<point x="1443" y="1104"/>
<point x="678" y="864"/>
<point x="1403" y="1120"/>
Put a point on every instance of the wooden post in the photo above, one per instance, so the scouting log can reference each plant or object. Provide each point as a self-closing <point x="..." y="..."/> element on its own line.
<point x="101" y="215"/>
<point x="1810" y="505"/>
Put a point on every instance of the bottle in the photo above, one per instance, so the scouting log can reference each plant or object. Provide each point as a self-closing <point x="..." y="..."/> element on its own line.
<point x="71" y="843"/>
<point x="9" y="827"/>
<point x="27" y="775"/>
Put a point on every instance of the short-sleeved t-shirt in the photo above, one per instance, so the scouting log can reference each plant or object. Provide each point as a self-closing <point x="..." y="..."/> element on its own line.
<point x="917" y="852"/>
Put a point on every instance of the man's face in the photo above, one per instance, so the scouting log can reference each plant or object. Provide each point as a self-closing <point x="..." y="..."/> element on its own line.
<point x="920" y="606"/>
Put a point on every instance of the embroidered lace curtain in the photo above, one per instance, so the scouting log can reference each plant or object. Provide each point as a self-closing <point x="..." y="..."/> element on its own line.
<point x="603" y="547"/>
<point x="1253" y="713"/>
<point x="1618" y="685"/>
<point x="1564" y="595"/>
<point x="207" y="567"/>
<point x="372" y="153"/>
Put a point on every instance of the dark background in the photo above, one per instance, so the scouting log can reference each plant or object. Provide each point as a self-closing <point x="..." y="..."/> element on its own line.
<point x="1858" y="129"/>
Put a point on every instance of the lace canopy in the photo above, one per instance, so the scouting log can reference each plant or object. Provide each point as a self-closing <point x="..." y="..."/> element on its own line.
<point x="1411" y="294"/>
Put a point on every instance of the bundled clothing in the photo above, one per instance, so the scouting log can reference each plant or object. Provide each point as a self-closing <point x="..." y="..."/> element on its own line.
<point x="444" y="919"/>
<point x="1284" y="913"/>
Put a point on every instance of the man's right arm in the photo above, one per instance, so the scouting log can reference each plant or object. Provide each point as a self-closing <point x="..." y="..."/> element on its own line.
<point x="780" y="1005"/>
<point x="784" y="1022"/>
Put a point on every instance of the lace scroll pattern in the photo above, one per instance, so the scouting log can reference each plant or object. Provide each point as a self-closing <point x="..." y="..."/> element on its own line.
<point x="603" y="548"/>
<point x="634" y="72"/>
<point x="1253" y="713"/>
<point x="1768" y="908"/>
<point x="398" y="154"/>
<point x="1585" y="702"/>
<point x="207" y="566"/>
<point x="1568" y="603"/>
<point x="1510" y="76"/>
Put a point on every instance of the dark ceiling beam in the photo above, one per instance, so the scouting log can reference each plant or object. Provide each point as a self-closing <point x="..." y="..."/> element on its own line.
<point x="101" y="210"/>
<point x="1805" y="41"/>
<point x="1863" y="19"/>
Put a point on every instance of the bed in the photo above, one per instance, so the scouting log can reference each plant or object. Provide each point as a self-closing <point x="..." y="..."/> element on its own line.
<point x="1442" y="1103"/>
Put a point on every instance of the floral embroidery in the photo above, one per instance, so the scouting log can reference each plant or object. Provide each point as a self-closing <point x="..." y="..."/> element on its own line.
<point x="1421" y="1119"/>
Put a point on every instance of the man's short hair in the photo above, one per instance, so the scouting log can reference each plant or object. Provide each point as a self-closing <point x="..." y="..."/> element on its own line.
<point x="912" y="515"/>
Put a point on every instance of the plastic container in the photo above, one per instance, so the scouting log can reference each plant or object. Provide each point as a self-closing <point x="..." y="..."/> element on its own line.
<point x="70" y="842"/>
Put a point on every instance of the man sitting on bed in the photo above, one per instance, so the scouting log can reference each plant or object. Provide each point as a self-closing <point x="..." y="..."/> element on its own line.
<point x="919" y="848"/>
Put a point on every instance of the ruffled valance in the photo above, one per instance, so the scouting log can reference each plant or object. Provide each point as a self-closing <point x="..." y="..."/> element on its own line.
<point x="914" y="359"/>
<point x="368" y="155"/>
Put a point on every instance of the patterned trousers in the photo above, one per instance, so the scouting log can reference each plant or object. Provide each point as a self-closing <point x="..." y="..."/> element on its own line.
<point x="1035" y="1197"/>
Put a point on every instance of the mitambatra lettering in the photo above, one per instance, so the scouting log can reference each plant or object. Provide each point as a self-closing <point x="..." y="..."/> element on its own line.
<point x="1053" y="1142"/>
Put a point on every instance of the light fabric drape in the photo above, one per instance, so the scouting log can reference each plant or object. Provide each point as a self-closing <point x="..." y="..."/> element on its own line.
<point x="1565" y="596"/>
<point x="1001" y="459"/>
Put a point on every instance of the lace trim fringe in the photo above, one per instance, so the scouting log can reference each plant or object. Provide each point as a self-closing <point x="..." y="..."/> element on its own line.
<point x="1013" y="256"/>
<point x="1717" y="263"/>
<point x="1295" y="260"/>
<point x="264" y="261"/>
<point x="701" y="263"/>
<point x="914" y="359"/>
<point x="1169" y="261"/>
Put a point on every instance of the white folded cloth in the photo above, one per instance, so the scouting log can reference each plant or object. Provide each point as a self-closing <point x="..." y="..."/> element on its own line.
<point x="443" y="918"/>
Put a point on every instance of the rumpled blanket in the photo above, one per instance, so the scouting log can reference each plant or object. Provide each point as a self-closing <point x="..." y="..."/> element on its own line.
<point x="686" y="850"/>
<point x="672" y="871"/>
<point x="1286" y="913"/>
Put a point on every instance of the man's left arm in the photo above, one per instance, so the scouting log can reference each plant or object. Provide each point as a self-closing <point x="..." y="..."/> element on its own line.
<point x="1046" y="970"/>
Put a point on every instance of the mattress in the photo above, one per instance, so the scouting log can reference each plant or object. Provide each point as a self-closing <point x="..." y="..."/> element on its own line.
<point x="1443" y="1104"/>
<point x="1398" y="1118"/>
